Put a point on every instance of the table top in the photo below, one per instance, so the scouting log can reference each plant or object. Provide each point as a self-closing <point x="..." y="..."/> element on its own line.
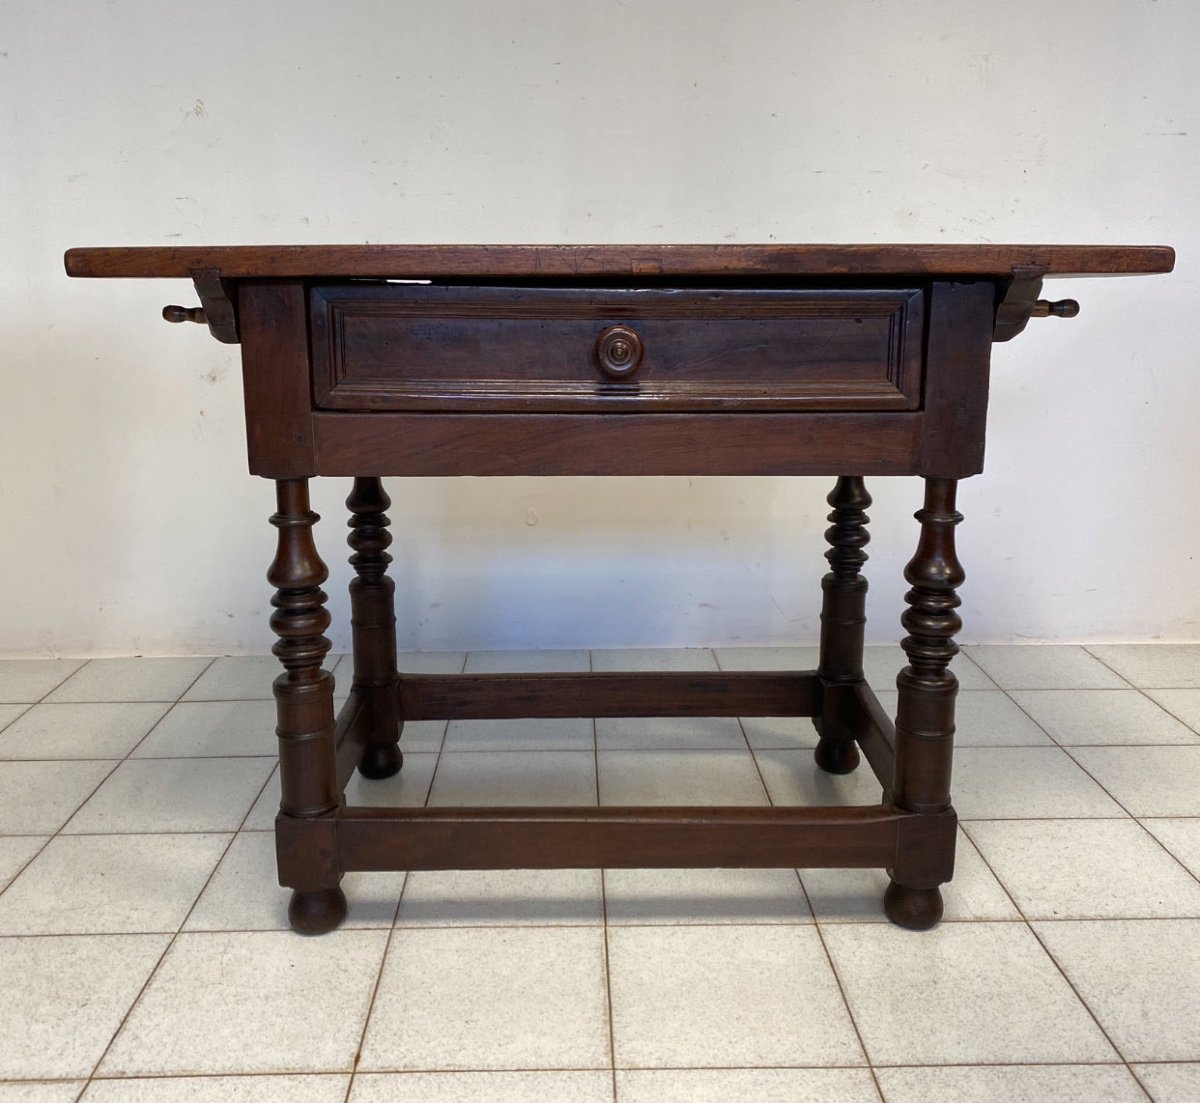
<point x="615" y="261"/>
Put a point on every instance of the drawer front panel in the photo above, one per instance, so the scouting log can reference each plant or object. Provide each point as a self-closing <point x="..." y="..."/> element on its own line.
<point x="461" y="349"/>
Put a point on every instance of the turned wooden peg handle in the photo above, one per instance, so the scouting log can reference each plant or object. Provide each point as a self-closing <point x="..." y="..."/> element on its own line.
<point x="184" y="314"/>
<point x="1062" y="308"/>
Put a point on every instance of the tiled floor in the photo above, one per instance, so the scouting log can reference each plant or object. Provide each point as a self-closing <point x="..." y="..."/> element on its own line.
<point x="144" y="954"/>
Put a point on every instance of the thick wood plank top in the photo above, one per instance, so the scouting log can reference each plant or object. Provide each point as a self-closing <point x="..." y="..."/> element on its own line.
<point x="617" y="261"/>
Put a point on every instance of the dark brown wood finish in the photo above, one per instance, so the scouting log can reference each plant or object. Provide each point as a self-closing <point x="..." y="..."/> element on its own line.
<point x="843" y="619"/>
<point x="618" y="444"/>
<point x="578" y="262"/>
<point x="304" y="700"/>
<point x="280" y="437"/>
<point x="925" y="710"/>
<point x="373" y="621"/>
<point x="380" y="346"/>
<point x="607" y="360"/>
<point x="516" y="696"/>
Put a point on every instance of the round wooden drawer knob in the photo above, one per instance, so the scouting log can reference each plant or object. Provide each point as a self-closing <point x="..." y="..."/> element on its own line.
<point x="619" y="352"/>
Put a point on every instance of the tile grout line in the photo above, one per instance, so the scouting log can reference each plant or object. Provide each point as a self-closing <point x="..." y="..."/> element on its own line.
<point x="821" y="938"/>
<point x="437" y="762"/>
<point x="1062" y="971"/>
<point x="1136" y="819"/>
<point x="116" y="764"/>
<point x="174" y="937"/>
<point x="387" y="946"/>
<point x="608" y="1000"/>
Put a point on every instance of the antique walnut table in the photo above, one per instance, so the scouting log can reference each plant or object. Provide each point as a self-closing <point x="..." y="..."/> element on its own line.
<point x="841" y="360"/>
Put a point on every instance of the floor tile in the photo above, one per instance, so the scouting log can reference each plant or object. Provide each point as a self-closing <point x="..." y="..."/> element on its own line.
<point x="431" y="662"/>
<point x="679" y="777"/>
<point x="39" y="797"/>
<point x="1076" y="717"/>
<point x="856" y="895"/>
<point x="423" y="735"/>
<point x="130" y="680"/>
<point x="409" y="788"/>
<point x="1162" y="666"/>
<point x="792" y="778"/>
<point x="495" y="1087"/>
<point x="881" y="664"/>
<point x="263" y="1001"/>
<point x="987" y="718"/>
<point x="15" y="851"/>
<point x="1148" y="781"/>
<point x="64" y="998"/>
<point x="1141" y="978"/>
<point x="1175" y="1083"/>
<point x="110" y="884"/>
<point x="997" y="783"/>
<point x="108" y="730"/>
<point x="669" y="896"/>
<point x="29" y="680"/>
<point x="746" y="1086"/>
<point x="530" y="662"/>
<point x="767" y="658"/>
<point x="214" y="729"/>
<point x="515" y="777"/>
<point x="669" y="733"/>
<point x="724" y="996"/>
<point x="245" y="895"/>
<point x="220" y="1089"/>
<point x="1181" y="837"/>
<point x="173" y="794"/>
<point x="1011" y="1084"/>
<point x="1085" y="869"/>
<point x="8" y="713"/>
<point x="992" y="996"/>
<point x="240" y="678"/>
<point x="783" y="732"/>
<point x="1184" y="704"/>
<point x="520" y="735"/>
<point x="654" y="658"/>
<point x="1043" y="666"/>
<point x="41" y="1091"/>
<point x="490" y="998"/>
<point x="501" y="897"/>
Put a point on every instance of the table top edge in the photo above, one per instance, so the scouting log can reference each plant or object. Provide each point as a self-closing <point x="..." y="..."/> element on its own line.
<point x="615" y="261"/>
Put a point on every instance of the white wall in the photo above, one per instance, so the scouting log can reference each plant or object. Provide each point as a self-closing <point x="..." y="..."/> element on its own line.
<point x="130" y="526"/>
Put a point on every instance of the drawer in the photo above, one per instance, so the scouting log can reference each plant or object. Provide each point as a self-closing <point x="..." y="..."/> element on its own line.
<point x="413" y="347"/>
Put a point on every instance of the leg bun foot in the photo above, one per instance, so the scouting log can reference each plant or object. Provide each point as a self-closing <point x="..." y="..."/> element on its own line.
<point x="836" y="756"/>
<point x="318" y="911"/>
<point x="380" y="760"/>
<point x="913" y="909"/>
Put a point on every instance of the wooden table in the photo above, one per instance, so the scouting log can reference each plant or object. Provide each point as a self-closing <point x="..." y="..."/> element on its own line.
<point x="842" y="360"/>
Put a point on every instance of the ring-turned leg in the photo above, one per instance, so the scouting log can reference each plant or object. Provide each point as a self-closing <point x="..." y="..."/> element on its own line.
<point x="373" y="616"/>
<point x="843" y="617"/>
<point x="304" y="706"/>
<point x="925" y="710"/>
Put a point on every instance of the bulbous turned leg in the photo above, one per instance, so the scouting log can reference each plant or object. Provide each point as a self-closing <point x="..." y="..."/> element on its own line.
<point x="836" y="756"/>
<point x="925" y="715"/>
<point x="317" y="911"/>
<point x="380" y="760"/>
<point x="373" y="618"/>
<point x="304" y="709"/>
<point x="843" y="619"/>
<point x="913" y="909"/>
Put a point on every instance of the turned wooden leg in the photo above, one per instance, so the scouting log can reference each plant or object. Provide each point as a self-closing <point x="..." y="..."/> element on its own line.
<point x="373" y="617"/>
<point x="925" y="711"/>
<point x="304" y="705"/>
<point x="843" y="618"/>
